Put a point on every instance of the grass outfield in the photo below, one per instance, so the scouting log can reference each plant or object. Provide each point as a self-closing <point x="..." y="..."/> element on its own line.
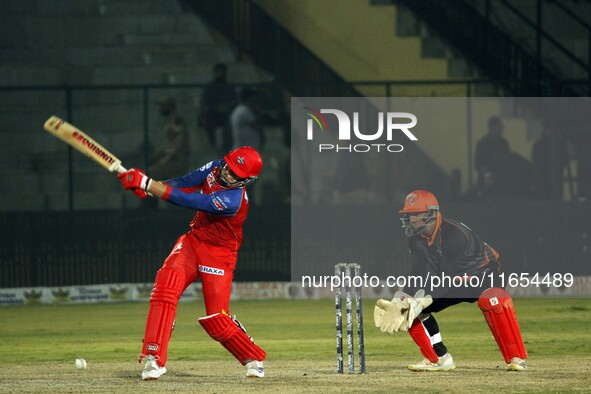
<point x="40" y="343"/>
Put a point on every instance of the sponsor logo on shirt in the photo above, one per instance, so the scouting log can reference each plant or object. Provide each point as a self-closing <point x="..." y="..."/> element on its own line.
<point x="211" y="270"/>
<point x="177" y="248"/>
<point x="210" y="179"/>
<point x="220" y="205"/>
<point x="207" y="166"/>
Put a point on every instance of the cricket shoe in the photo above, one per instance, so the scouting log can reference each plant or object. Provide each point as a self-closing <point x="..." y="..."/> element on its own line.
<point x="255" y="369"/>
<point x="152" y="370"/>
<point x="517" y="364"/>
<point x="445" y="363"/>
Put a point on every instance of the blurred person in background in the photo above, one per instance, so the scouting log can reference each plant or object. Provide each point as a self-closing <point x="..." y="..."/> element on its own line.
<point x="173" y="158"/>
<point x="274" y="113"/>
<point x="492" y="150"/>
<point x="484" y="191"/>
<point x="245" y="121"/>
<point x="549" y="159"/>
<point x="217" y="102"/>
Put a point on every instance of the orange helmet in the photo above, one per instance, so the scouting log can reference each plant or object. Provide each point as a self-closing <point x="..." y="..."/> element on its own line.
<point x="419" y="201"/>
<point x="246" y="163"/>
<point x="416" y="202"/>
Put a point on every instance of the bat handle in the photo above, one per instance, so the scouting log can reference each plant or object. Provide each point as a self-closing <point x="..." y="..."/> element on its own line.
<point x="121" y="169"/>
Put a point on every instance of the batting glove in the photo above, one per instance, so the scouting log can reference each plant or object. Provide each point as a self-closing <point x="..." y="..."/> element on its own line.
<point x="139" y="193"/>
<point x="135" y="179"/>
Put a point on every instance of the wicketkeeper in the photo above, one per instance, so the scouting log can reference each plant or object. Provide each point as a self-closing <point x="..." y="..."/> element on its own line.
<point x="217" y="191"/>
<point x="440" y="246"/>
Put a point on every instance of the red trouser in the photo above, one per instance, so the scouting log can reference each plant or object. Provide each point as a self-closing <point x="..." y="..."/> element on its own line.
<point x="188" y="260"/>
<point x="213" y="264"/>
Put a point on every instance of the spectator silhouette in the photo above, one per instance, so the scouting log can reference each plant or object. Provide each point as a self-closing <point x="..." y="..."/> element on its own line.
<point x="216" y="105"/>
<point x="485" y="191"/>
<point x="549" y="158"/>
<point x="246" y="127"/>
<point x="583" y="160"/>
<point x="517" y="176"/>
<point x="492" y="150"/>
<point x="173" y="159"/>
<point x="272" y="110"/>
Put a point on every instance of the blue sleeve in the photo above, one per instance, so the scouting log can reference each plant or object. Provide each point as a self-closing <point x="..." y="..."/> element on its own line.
<point x="223" y="202"/>
<point x="195" y="178"/>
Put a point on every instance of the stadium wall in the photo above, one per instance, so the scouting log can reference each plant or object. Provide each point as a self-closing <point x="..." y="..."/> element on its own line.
<point x="52" y="249"/>
<point x="140" y="292"/>
<point x="97" y="247"/>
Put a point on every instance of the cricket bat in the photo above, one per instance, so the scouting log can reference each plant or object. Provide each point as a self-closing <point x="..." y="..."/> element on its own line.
<point x="80" y="141"/>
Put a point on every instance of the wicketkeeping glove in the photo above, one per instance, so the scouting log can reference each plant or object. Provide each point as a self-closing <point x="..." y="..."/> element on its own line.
<point x="415" y="306"/>
<point x="389" y="315"/>
<point x="398" y="314"/>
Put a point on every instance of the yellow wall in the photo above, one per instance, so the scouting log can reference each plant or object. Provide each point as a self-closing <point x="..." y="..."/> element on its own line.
<point x="359" y="42"/>
<point x="443" y="132"/>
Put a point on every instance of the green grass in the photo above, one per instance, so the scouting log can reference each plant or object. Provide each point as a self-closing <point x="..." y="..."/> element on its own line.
<point x="110" y="332"/>
<point x="291" y="332"/>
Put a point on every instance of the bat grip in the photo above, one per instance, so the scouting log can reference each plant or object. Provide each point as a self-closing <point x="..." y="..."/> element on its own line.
<point x="121" y="169"/>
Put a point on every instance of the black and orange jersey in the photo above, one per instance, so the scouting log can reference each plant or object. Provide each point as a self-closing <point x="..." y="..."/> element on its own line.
<point x="453" y="250"/>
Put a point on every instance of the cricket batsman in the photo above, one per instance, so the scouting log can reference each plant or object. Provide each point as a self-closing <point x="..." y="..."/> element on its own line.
<point x="217" y="191"/>
<point x="440" y="246"/>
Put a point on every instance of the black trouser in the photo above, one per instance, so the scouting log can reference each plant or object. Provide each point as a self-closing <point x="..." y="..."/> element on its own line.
<point x="440" y="304"/>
